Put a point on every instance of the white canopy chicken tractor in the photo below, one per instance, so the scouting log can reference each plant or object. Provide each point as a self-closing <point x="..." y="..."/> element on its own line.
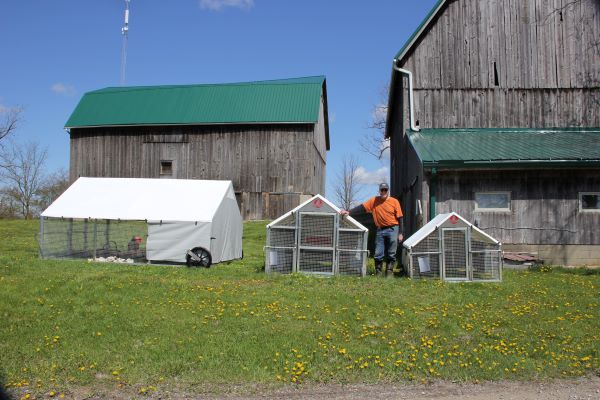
<point x="192" y="221"/>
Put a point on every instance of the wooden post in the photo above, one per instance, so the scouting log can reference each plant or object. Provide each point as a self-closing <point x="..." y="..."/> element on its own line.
<point x="95" y="237"/>
<point x="107" y="235"/>
<point x="41" y="241"/>
<point x="85" y="235"/>
<point x="70" y="237"/>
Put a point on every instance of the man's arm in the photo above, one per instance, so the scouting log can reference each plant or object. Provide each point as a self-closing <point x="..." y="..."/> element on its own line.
<point x="356" y="210"/>
<point x="400" y="229"/>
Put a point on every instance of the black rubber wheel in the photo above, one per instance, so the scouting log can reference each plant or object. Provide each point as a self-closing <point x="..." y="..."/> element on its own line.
<point x="204" y="258"/>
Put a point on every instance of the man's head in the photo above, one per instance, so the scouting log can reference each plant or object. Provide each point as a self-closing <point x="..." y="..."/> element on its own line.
<point x="384" y="190"/>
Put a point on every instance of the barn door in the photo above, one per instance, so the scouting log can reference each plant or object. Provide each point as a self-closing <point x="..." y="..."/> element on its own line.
<point x="316" y="243"/>
<point x="455" y="254"/>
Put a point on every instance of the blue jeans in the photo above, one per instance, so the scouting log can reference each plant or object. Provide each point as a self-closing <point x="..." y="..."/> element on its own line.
<point x="386" y="244"/>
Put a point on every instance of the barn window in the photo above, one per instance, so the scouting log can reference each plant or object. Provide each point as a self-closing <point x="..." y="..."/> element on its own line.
<point x="492" y="201"/>
<point x="589" y="201"/>
<point x="166" y="168"/>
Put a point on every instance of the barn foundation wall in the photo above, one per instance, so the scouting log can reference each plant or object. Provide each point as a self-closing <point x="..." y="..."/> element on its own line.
<point x="566" y="255"/>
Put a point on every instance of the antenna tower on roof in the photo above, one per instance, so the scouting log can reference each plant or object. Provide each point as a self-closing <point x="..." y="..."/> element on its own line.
<point x="125" y="33"/>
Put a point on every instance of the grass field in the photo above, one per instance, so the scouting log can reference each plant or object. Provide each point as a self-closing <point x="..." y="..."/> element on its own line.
<point x="67" y="324"/>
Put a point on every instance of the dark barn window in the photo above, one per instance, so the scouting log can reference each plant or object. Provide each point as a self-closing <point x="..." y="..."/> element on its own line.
<point x="589" y="201"/>
<point x="166" y="168"/>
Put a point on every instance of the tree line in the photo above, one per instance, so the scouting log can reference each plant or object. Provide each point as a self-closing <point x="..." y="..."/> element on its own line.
<point x="26" y="187"/>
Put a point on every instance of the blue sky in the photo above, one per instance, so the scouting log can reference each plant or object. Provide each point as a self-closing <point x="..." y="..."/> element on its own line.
<point x="54" y="51"/>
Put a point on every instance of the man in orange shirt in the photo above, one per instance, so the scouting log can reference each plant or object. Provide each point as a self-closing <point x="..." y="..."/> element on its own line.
<point x="387" y="216"/>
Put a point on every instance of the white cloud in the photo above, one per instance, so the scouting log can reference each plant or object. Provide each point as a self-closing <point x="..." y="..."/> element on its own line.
<point x="218" y="5"/>
<point x="372" y="177"/>
<point x="61" y="88"/>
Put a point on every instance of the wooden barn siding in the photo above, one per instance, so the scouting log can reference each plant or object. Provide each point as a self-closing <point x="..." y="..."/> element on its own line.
<point x="506" y="108"/>
<point x="544" y="204"/>
<point x="547" y="65"/>
<point x="270" y="166"/>
<point x="534" y="43"/>
<point x="319" y="137"/>
<point x="546" y="52"/>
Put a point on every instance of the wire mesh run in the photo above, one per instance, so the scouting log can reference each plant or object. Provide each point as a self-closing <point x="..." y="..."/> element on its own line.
<point x="425" y="265"/>
<point x="317" y="230"/>
<point x="281" y="260"/>
<point x="315" y="239"/>
<point x="350" y="240"/>
<point x="486" y="265"/>
<point x="351" y="262"/>
<point x="454" y="250"/>
<point x="77" y="238"/>
<point x="455" y="254"/>
<point x="282" y="237"/>
<point x="315" y="261"/>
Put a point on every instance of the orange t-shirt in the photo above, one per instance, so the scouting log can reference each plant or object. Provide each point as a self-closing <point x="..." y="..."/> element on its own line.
<point x="385" y="212"/>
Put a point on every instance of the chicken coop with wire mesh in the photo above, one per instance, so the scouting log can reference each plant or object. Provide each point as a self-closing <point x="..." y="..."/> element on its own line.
<point x="450" y="248"/>
<point x="314" y="238"/>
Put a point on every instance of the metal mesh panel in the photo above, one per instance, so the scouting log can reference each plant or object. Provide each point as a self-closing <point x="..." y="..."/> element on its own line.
<point x="320" y="243"/>
<point x="486" y="265"/>
<point x="351" y="240"/>
<point x="280" y="260"/>
<point x="282" y="237"/>
<point x="316" y="230"/>
<point x="433" y="261"/>
<point x="351" y="262"/>
<point x="320" y="261"/>
<point x="477" y="245"/>
<point x="430" y="244"/>
<point x="72" y="238"/>
<point x="290" y="220"/>
<point x="455" y="254"/>
<point x="346" y="224"/>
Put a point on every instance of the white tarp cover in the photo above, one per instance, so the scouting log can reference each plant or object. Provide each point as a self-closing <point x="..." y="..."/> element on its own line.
<point x="181" y="213"/>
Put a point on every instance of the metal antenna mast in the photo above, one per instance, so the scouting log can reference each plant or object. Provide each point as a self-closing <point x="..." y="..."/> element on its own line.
<point x="124" y="32"/>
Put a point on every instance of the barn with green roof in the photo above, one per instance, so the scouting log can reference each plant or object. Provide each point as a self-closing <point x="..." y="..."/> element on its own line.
<point x="494" y="113"/>
<point x="269" y="137"/>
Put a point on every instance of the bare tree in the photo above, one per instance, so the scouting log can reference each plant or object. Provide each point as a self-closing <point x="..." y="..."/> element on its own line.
<point x="52" y="186"/>
<point x="8" y="207"/>
<point x="22" y="168"/>
<point x="10" y="119"/>
<point x="347" y="188"/>
<point x="374" y="142"/>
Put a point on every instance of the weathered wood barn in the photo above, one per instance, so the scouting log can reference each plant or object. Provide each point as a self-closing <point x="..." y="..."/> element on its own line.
<point x="269" y="137"/>
<point x="494" y="113"/>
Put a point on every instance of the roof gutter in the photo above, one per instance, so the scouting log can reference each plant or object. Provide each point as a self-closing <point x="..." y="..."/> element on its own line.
<point x="472" y="164"/>
<point x="411" y="103"/>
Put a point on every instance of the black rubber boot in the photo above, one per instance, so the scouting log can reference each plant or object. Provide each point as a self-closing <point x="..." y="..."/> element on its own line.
<point x="377" y="268"/>
<point x="389" y="269"/>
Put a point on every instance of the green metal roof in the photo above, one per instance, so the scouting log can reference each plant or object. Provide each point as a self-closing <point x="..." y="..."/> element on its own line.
<point x="507" y="147"/>
<point x="294" y="100"/>
<point x="417" y="33"/>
